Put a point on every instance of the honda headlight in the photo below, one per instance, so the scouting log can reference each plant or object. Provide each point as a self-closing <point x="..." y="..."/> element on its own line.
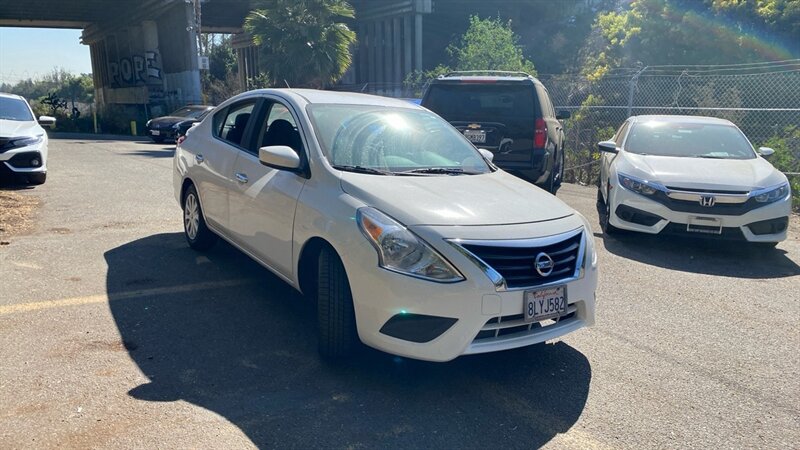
<point x="399" y="250"/>
<point x="25" y="141"/>
<point x="636" y="185"/>
<point x="770" y="195"/>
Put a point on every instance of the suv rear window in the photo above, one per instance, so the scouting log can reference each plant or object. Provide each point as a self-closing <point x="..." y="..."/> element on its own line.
<point x="480" y="102"/>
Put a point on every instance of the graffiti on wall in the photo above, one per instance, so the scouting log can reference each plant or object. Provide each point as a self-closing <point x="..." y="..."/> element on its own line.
<point x="137" y="70"/>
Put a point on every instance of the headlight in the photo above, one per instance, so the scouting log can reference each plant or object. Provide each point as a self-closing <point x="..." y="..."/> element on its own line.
<point x="147" y="125"/>
<point x="401" y="251"/>
<point x="770" y="195"/>
<point x="176" y="126"/>
<point x="636" y="185"/>
<point x="25" y="141"/>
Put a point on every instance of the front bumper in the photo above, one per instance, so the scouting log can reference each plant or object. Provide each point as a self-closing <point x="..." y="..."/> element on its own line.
<point x="471" y="316"/>
<point x="635" y="212"/>
<point x="24" y="160"/>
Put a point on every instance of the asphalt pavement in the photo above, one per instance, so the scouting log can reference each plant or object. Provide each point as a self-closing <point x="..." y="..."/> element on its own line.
<point x="114" y="334"/>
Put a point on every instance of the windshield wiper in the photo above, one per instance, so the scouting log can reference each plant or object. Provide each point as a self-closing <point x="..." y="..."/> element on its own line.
<point x="710" y="157"/>
<point x="441" y="170"/>
<point x="362" y="169"/>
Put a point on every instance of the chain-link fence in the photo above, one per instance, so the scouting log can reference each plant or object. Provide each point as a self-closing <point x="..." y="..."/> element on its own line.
<point x="763" y="99"/>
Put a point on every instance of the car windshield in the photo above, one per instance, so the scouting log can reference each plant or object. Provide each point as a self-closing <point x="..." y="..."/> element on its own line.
<point x="690" y="140"/>
<point x="481" y="102"/>
<point x="381" y="140"/>
<point x="190" y="113"/>
<point x="14" y="109"/>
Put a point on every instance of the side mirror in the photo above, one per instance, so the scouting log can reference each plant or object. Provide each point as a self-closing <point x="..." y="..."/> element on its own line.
<point x="47" y="121"/>
<point x="279" y="157"/>
<point x="608" y="147"/>
<point x="765" y="151"/>
<point x="563" y="115"/>
<point x="486" y="154"/>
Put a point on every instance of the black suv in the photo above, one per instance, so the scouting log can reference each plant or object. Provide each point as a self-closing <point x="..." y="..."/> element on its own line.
<point x="507" y="113"/>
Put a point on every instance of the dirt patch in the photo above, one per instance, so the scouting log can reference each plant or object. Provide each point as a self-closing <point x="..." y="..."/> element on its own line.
<point x="16" y="213"/>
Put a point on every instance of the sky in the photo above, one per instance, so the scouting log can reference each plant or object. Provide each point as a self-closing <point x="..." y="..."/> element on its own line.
<point x="33" y="52"/>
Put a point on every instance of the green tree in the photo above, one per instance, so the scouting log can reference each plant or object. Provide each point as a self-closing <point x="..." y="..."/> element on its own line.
<point x="662" y="32"/>
<point x="303" y="42"/>
<point x="489" y="44"/>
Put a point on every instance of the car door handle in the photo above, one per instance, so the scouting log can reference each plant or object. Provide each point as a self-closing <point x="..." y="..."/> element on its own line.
<point x="199" y="159"/>
<point x="241" y="178"/>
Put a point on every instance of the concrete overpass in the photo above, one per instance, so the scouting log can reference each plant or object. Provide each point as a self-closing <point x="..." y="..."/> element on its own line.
<point x="144" y="52"/>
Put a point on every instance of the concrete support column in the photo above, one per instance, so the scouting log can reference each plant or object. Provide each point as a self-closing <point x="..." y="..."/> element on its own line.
<point x="379" y="50"/>
<point x="408" y="44"/>
<point x="397" y="49"/>
<point x="361" y="58"/>
<point x="373" y="51"/>
<point x="387" y="56"/>
<point x="418" y="42"/>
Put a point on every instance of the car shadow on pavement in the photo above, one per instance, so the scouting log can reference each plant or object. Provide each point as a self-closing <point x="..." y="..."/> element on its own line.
<point x="166" y="152"/>
<point x="219" y="331"/>
<point x="706" y="256"/>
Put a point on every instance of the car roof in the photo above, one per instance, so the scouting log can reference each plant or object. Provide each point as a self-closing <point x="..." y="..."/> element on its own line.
<point x="681" y="119"/>
<point x="313" y="96"/>
<point x="14" y="96"/>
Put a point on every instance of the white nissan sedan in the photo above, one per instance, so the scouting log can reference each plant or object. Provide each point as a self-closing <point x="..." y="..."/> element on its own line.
<point x="407" y="236"/>
<point x="696" y="176"/>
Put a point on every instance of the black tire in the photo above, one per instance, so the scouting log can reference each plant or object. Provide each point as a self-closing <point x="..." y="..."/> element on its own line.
<point x="37" y="178"/>
<point x="197" y="233"/>
<point x="556" y="173"/>
<point x="604" y="213"/>
<point x="336" y="317"/>
<point x="560" y="171"/>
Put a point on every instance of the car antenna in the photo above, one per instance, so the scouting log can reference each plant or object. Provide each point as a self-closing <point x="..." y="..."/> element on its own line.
<point x="287" y="83"/>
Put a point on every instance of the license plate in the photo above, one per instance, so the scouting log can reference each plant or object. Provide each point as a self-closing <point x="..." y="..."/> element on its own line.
<point x="477" y="137"/>
<point x="155" y="132"/>
<point x="544" y="304"/>
<point x="706" y="225"/>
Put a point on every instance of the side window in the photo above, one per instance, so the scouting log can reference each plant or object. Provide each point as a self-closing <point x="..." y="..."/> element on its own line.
<point x="236" y="119"/>
<point x="280" y="128"/>
<point x="621" y="134"/>
<point x="544" y="102"/>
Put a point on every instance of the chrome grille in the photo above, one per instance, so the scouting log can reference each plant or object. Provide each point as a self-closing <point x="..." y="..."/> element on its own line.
<point x="514" y="261"/>
<point x="500" y="327"/>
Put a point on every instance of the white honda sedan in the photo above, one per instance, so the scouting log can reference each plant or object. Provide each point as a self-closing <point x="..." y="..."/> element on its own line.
<point x="696" y="176"/>
<point x="405" y="234"/>
<point x="23" y="142"/>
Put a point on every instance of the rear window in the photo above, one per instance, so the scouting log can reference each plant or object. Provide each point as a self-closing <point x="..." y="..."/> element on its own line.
<point x="480" y="102"/>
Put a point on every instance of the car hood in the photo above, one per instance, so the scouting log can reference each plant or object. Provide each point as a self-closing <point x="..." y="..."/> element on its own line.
<point x="702" y="173"/>
<point x="16" y="128"/>
<point x="489" y="199"/>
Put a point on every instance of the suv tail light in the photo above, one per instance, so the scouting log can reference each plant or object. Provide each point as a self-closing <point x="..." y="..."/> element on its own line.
<point x="540" y="134"/>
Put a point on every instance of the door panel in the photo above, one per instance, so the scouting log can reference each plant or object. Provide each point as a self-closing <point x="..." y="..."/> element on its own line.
<point x="262" y="207"/>
<point x="210" y="169"/>
<point x="263" y="200"/>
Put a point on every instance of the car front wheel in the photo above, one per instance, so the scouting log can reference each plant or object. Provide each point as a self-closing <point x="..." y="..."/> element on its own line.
<point x="197" y="233"/>
<point x="604" y="213"/>
<point x="335" y="313"/>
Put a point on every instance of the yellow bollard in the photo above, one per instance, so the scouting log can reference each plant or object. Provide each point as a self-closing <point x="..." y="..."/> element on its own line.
<point x="133" y="128"/>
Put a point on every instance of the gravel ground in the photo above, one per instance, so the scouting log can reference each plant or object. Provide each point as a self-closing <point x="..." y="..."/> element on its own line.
<point x="114" y="334"/>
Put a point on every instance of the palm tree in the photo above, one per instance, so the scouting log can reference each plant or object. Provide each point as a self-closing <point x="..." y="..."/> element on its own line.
<point x="302" y="42"/>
